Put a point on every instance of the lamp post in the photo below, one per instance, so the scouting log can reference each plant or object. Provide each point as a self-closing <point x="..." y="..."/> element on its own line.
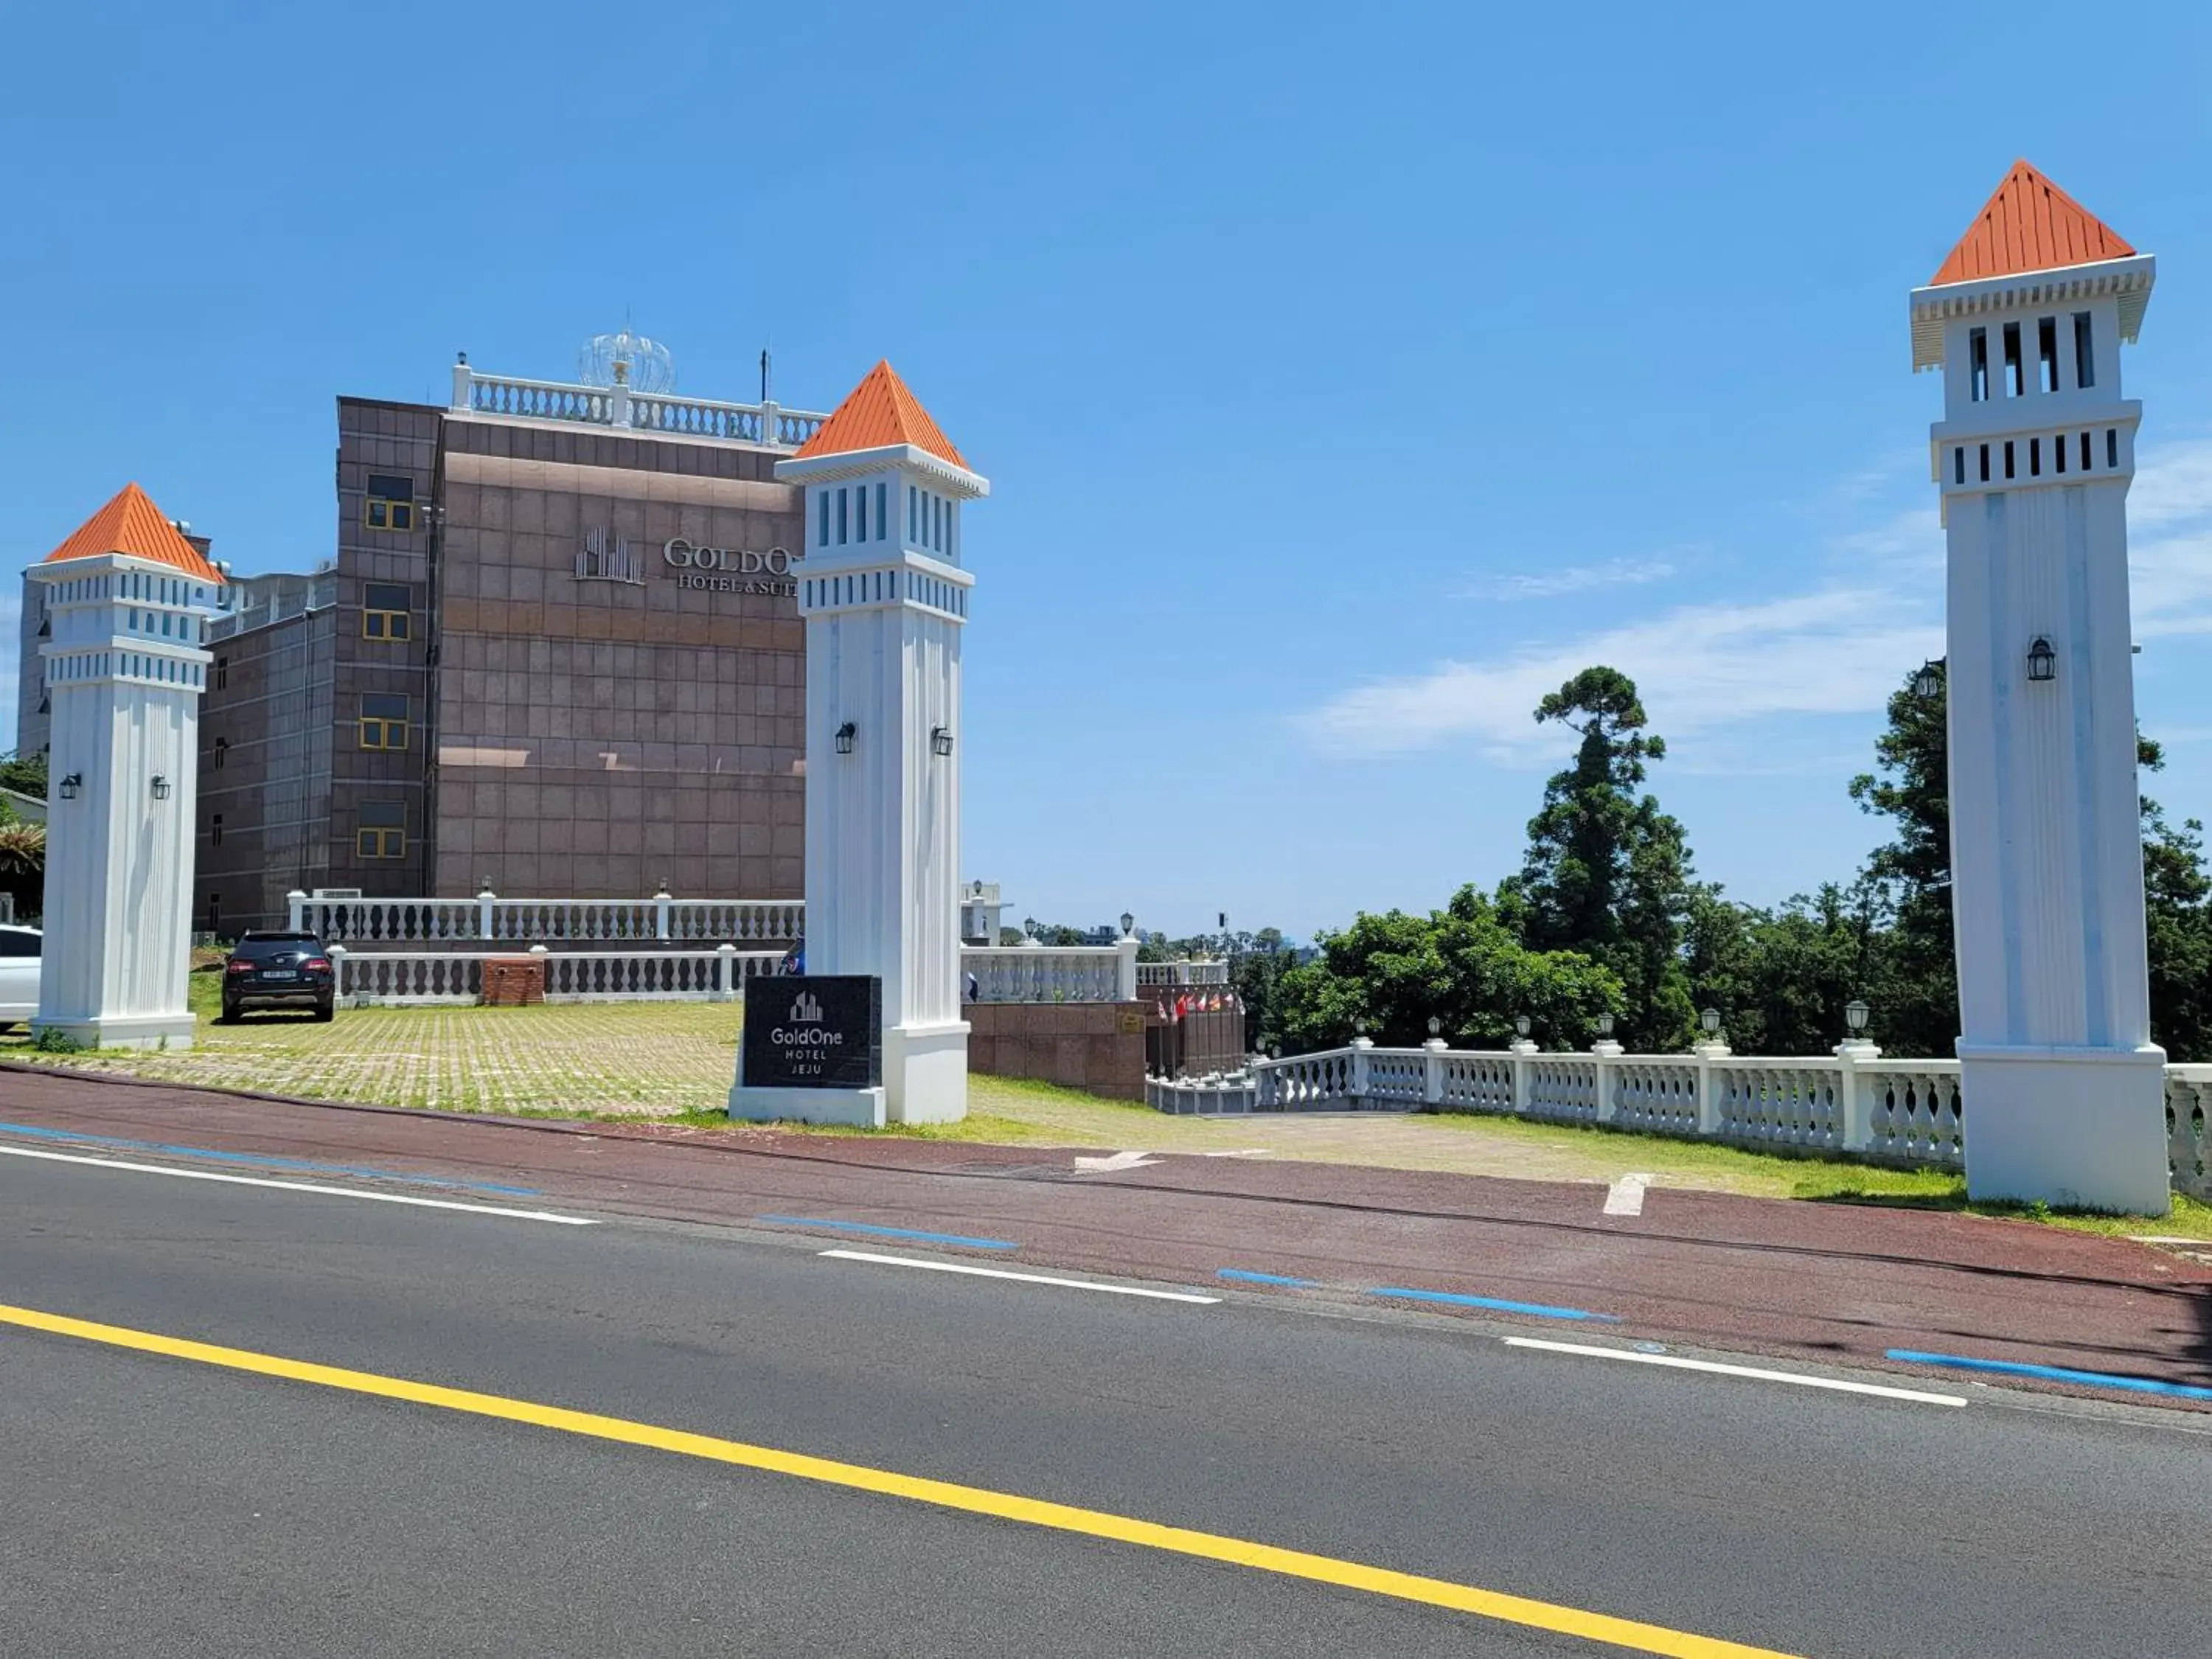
<point x="1605" y="1045"/>
<point x="1129" y="925"/>
<point x="1520" y="1043"/>
<point x="1713" y="1044"/>
<point x="1856" y="1043"/>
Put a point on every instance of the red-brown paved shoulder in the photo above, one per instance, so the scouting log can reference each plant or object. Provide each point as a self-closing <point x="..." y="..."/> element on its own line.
<point x="1834" y="1281"/>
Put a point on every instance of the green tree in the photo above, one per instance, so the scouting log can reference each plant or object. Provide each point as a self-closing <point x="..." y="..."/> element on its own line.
<point x="25" y="774"/>
<point x="1916" y="993"/>
<point x="1606" y="874"/>
<point x="1781" y="978"/>
<point x="23" y="865"/>
<point x="1461" y="965"/>
<point x="2178" y="925"/>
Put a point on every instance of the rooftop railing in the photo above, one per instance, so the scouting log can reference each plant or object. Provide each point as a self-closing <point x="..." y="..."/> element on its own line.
<point x="763" y="425"/>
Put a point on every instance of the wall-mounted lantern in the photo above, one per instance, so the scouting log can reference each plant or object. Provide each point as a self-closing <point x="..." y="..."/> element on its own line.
<point x="2042" y="660"/>
<point x="845" y="736"/>
<point x="160" y="788"/>
<point x="70" y="785"/>
<point x="1929" y="680"/>
<point x="940" y="740"/>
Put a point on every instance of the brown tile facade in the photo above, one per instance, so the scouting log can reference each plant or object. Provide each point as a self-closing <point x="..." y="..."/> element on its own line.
<point x="1096" y="1046"/>
<point x="567" y="734"/>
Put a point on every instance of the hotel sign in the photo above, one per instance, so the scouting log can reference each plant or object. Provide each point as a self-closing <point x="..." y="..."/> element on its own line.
<point x="814" y="1031"/>
<point x="730" y="569"/>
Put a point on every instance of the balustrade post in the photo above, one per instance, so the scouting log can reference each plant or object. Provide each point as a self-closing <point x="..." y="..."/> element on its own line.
<point x="1125" y="982"/>
<point x="1432" y="1072"/>
<point x="1602" y="1054"/>
<point x="1358" y="1087"/>
<point x="1709" y="1099"/>
<point x="1851" y="1103"/>
<point x="463" y="378"/>
<point x="618" y="401"/>
<point x="296" y="904"/>
<point x="339" y="954"/>
<point x="660" y="901"/>
<point x="726" y="965"/>
<point x="485" y="898"/>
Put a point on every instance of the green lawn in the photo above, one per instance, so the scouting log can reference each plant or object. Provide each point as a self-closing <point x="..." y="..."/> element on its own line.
<point x="673" y="1061"/>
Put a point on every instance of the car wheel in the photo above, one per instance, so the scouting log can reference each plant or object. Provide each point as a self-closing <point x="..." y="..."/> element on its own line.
<point x="324" y="1010"/>
<point x="229" y="1014"/>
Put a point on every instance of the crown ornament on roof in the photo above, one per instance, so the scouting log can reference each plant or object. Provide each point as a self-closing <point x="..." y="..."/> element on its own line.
<point x="628" y="359"/>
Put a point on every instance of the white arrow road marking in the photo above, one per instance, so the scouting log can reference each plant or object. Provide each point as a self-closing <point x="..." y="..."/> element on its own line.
<point x="1118" y="1161"/>
<point x="1626" y="1195"/>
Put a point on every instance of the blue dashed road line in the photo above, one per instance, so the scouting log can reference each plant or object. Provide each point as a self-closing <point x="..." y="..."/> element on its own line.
<point x="2053" y="1373"/>
<point x="1244" y="1277"/>
<point x="1536" y="1309"/>
<point x="262" y="1161"/>
<point x="875" y="1232"/>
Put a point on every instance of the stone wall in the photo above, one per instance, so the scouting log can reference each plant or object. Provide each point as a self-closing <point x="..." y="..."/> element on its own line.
<point x="1094" y="1046"/>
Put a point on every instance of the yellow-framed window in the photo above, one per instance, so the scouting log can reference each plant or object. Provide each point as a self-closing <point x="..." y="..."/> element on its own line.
<point x="380" y="829"/>
<point x="383" y="720"/>
<point x="384" y="612"/>
<point x="388" y="502"/>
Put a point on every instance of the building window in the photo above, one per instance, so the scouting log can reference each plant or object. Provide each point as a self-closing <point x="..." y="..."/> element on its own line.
<point x="222" y="673"/>
<point x="383" y="611"/>
<point x="2085" y="452"/>
<point x="2058" y="451"/>
<point x="883" y="512"/>
<point x="1985" y="463"/>
<point x="382" y="830"/>
<point x="2015" y="371"/>
<point x="383" y="720"/>
<point x="2035" y="457"/>
<point x="220" y="755"/>
<point x="913" y="513"/>
<point x="2046" y="353"/>
<point x="844" y="516"/>
<point x="390" y="504"/>
<point x="2008" y="458"/>
<point x="1977" y="360"/>
<point x="215" y="830"/>
<point x="1959" y="465"/>
<point x="2112" y="445"/>
<point x="2085" y="356"/>
<point x="822" y="531"/>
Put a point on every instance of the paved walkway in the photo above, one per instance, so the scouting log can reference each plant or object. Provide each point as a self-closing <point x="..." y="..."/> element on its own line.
<point x="1833" y="1282"/>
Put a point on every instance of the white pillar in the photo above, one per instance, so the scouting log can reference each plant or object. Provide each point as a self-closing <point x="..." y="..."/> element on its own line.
<point x="127" y="597"/>
<point x="2062" y="1087"/>
<point x="885" y="611"/>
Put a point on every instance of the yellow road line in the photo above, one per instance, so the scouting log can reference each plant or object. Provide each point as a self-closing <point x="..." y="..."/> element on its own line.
<point x="974" y="1500"/>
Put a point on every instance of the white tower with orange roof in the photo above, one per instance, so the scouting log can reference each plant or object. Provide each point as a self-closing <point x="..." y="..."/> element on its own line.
<point x="2062" y="1087"/>
<point x="129" y="598"/>
<point x="885" y="595"/>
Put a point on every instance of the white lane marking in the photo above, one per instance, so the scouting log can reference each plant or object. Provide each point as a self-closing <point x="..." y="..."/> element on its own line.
<point x="1026" y="1278"/>
<point x="1249" y="1152"/>
<point x="301" y="1187"/>
<point x="1118" y="1161"/>
<point x="1626" y="1195"/>
<point x="1677" y="1363"/>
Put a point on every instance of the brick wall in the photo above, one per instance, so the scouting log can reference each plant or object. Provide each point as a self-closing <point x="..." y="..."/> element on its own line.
<point x="1094" y="1046"/>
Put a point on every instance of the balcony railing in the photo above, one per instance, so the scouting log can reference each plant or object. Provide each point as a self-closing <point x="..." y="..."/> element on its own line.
<point x="764" y="426"/>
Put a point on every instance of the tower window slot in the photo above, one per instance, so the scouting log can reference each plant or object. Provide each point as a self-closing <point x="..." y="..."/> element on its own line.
<point x="2112" y="445"/>
<point x="2085" y="356"/>
<point x="2015" y="370"/>
<point x="2035" y="457"/>
<point x="2046" y="354"/>
<point x="2008" y="473"/>
<point x="1978" y="365"/>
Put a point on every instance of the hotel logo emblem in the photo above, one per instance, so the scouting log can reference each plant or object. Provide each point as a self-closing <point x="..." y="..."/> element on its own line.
<point x="806" y="1011"/>
<point x="607" y="557"/>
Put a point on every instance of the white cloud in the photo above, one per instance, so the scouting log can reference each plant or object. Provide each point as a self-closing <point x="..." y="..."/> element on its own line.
<point x="1568" y="578"/>
<point x="1839" y="647"/>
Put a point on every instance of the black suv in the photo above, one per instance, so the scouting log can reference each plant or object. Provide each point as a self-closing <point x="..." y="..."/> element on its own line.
<point x="278" y="970"/>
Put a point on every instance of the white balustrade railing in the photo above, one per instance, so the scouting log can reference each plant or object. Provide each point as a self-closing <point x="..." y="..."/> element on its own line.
<point x="2189" y="1129"/>
<point x="1206" y="1096"/>
<point x="1050" y="973"/>
<point x="428" y="978"/>
<point x="1183" y="972"/>
<point x="530" y="921"/>
<point x="1891" y="1111"/>
<point x="623" y="406"/>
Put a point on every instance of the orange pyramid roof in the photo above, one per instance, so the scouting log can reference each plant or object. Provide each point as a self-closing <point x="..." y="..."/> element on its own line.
<point x="131" y="524"/>
<point x="878" y="411"/>
<point x="2030" y="224"/>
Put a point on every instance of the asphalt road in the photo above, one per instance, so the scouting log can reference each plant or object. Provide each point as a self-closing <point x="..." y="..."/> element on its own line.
<point x="159" y="1505"/>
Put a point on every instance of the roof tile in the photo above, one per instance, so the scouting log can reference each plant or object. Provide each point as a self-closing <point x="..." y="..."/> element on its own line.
<point x="131" y="524"/>
<point x="2029" y="224"/>
<point x="880" y="410"/>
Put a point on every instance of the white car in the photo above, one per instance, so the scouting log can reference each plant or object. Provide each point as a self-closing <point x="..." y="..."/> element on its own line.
<point x="19" y="974"/>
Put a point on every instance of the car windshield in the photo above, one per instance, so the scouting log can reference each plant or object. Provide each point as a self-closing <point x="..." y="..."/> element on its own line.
<point x="277" y="945"/>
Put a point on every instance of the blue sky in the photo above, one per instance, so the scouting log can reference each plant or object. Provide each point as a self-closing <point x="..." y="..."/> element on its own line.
<point x="1346" y="376"/>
